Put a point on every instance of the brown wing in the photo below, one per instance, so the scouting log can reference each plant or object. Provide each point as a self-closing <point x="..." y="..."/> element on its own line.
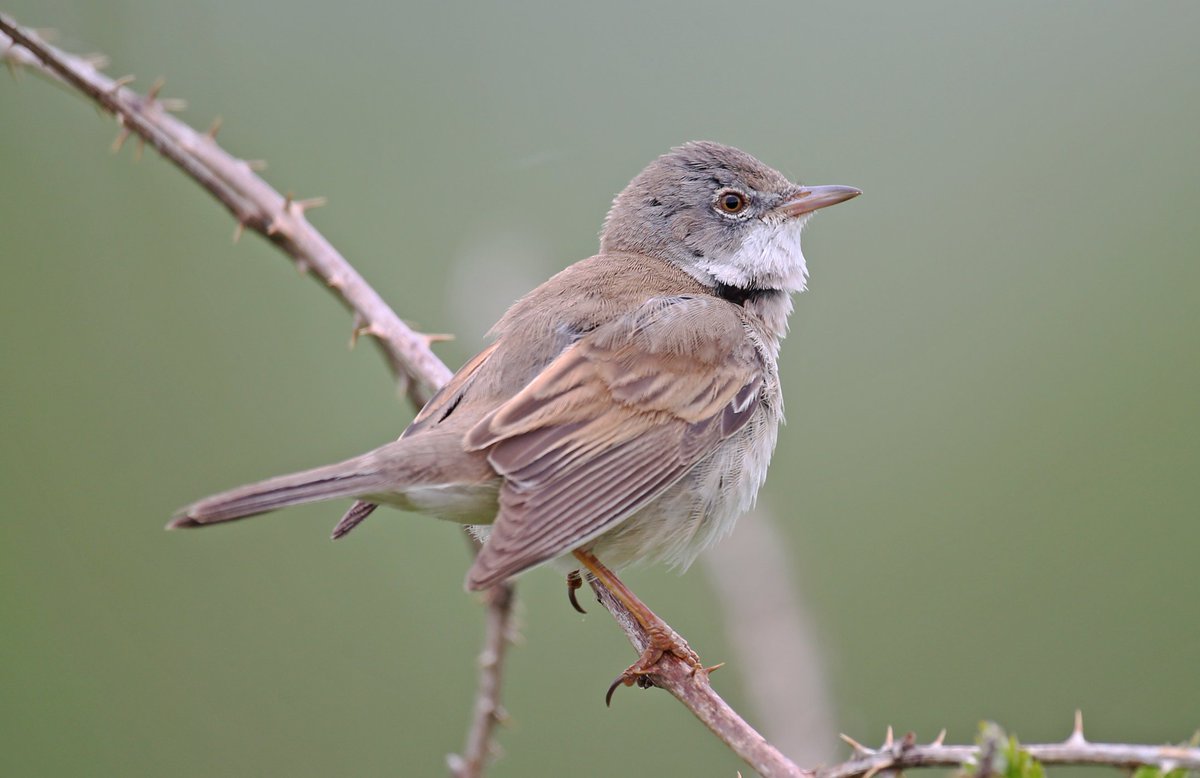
<point x="441" y="405"/>
<point x="617" y="418"/>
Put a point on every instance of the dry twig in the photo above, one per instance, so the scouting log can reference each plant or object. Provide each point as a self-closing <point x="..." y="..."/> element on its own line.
<point x="487" y="713"/>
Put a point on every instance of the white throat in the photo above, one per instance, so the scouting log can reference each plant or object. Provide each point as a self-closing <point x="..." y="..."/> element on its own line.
<point x="768" y="258"/>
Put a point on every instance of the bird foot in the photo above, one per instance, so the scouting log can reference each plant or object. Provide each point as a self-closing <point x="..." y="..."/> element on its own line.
<point x="663" y="641"/>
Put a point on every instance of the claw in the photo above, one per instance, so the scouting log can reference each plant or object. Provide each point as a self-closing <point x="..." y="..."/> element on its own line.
<point x="612" y="687"/>
<point x="574" y="582"/>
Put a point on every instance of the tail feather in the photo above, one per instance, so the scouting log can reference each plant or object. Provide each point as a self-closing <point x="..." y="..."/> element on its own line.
<point x="347" y="479"/>
<point x="357" y="514"/>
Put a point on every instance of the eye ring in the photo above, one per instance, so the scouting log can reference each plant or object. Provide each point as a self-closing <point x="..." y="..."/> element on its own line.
<point x="731" y="202"/>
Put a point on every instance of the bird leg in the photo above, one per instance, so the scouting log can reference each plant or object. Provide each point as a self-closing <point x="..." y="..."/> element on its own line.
<point x="662" y="639"/>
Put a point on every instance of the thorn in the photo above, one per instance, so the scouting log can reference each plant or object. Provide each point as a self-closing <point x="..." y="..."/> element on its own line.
<point x="436" y="337"/>
<point x="335" y="282"/>
<point x="257" y="165"/>
<point x="712" y="668"/>
<point x="312" y="202"/>
<point x="214" y="128"/>
<point x="97" y="60"/>
<point x="239" y="227"/>
<point x="859" y="748"/>
<point x="287" y="201"/>
<point x="273" y="227"/>
<point x="125" y="80"/>
<point x="940" y="739"/>
<point x="47" y="34"/>
<point x="875" y="769"/>
<point x="356" y="329"/>
<point x="119" y="141"/>
<point x="14" y="67"/>
<point x="173" y="104"/>
<point x="1077" y="738"/>
<point x="889" y="740"/>
<point x="155" y="88"/>
<point x="302" y="267"/>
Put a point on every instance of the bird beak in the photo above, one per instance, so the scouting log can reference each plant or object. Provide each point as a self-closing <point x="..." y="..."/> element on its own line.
<point x="811" y="198"/>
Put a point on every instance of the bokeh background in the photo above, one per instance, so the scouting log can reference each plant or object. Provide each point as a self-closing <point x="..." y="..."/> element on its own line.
<point x="987" y="488"/>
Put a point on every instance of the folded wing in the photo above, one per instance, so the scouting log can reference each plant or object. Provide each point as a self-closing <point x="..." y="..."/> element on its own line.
<point x="617" y="418"/>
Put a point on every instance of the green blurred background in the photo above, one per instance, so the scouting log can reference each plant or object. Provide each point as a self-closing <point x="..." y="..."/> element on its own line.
<point x="989" y="479"/>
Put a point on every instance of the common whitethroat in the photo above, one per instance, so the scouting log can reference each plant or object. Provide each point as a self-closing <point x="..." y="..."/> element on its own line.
<point x="626" y="409"/>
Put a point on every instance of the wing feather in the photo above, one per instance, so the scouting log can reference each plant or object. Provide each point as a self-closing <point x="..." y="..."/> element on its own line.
<point x="617" y="418"/>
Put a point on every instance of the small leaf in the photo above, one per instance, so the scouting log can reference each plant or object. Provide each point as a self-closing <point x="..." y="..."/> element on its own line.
<point x="1154" y="772"/>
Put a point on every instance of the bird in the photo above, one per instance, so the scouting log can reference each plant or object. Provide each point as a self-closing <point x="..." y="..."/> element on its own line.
<point x="624" y="411"/>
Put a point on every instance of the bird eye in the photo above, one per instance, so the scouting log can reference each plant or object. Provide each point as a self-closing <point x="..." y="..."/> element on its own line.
<point x="731" y="201"/>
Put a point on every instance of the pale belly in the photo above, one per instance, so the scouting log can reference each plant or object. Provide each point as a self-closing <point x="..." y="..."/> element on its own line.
<point x="701" y="508"/>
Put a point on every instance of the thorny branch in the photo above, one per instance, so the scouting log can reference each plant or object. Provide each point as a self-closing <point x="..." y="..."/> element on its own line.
<point x="255" y="205"/>
<point x="895" y="755"/>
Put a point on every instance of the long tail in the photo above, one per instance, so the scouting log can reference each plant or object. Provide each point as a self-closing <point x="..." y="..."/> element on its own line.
<point x="354" y="477"/>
